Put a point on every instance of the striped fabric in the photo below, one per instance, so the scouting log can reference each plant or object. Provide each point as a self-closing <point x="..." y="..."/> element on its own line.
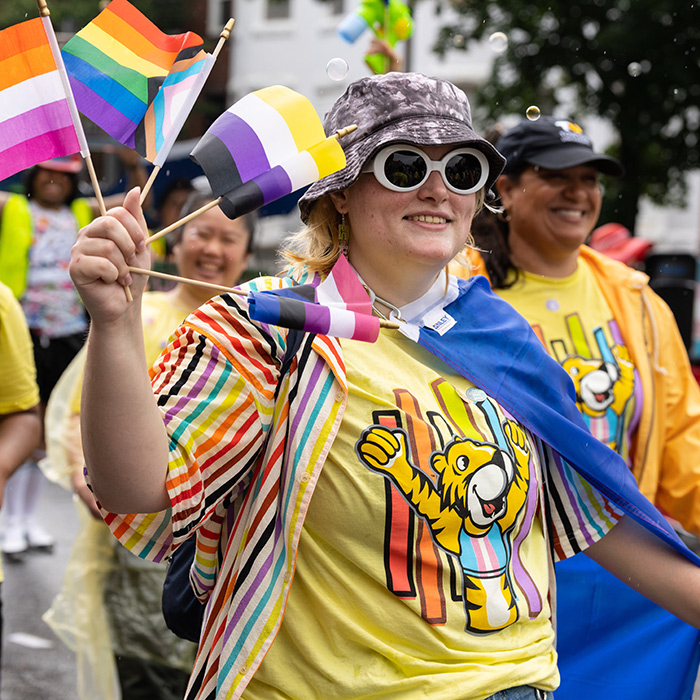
<point x="340" y="306"/>
<point x="267" y="145"/>
<point x="36" y="122"/>
<point x="242" y="471"/>
<point x="134" y="81"/>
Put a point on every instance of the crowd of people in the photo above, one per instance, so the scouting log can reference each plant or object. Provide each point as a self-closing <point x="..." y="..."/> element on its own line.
<point x="415" y="517"/>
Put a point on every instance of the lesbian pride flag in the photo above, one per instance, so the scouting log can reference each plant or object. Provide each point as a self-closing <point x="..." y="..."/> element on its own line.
<point x="339" y="306"/>
<point x="37" y="118"/>
<point x="267" y="145"/>
<point x="134" y="81"/>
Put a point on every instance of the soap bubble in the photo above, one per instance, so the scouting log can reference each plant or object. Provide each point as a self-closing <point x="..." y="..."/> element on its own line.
<point x="634" y="69"/>
<point x="458" y="41"/>
<point x="498" y="42"/>
<point x="533" y="113"/>
<point x="337" y="69"/>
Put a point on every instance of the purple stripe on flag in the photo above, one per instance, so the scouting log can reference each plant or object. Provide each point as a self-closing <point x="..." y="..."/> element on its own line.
<point x="242" y="143"/>
<point x="61" y="142"/>
<point x="33" y="123"/>
<point x="105" y="115"/>
<point x="274" y="184"/>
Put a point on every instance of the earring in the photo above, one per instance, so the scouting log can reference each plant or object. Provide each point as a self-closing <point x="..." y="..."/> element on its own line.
<point x="503" y="216"/>
<point x="343" y="236"/>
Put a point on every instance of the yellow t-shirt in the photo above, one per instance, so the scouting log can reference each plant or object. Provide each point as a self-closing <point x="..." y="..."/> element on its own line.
<point x="574" y="322"/>
<point x="18" y="388"/>
<point x="161" y="318"/>
<point x="422" y="566"/>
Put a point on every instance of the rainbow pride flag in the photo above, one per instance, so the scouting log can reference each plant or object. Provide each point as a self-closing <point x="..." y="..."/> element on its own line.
<point x="267" y="145"/>
<point x="134" y="81"/>
<point x="340" y="306"/>
<point x="37" y="118"/>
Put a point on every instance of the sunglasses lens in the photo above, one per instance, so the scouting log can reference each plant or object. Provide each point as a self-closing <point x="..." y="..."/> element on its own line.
<point x="463" y="171"/>
<point x="405" y="169"/>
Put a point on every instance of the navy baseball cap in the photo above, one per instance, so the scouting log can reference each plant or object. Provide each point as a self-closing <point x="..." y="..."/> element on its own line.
<point x="552" y="143"/>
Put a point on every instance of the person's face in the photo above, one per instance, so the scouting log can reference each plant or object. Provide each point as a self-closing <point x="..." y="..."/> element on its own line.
<point x="552" y="209"/>
<point x="212" y="249"/>
<point x="400" y="232"/>
<point x="52" y="188"/>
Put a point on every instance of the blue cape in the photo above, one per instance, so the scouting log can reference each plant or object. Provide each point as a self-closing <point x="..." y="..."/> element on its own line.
<point x="495" y="348"/>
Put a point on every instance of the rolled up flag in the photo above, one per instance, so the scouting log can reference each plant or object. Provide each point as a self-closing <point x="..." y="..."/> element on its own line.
<point x="340" y="306"/>
<point x="267" y="145"/>
<point x="134" y="81"/>
<point x="37" y="118"/>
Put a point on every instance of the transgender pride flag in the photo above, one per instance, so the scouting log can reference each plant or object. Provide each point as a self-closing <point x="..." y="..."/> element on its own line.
<point x="134" y="81"/>
<point x="267" y="145"/>
<point x="340" y="306"/>
<point x="37" y="118"/>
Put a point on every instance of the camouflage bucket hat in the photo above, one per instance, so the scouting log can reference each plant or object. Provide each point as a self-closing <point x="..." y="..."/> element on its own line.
<point x="398" y="108"/>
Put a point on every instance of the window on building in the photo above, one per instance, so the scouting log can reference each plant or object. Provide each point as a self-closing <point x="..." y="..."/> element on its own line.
<point x="278" y="9"/>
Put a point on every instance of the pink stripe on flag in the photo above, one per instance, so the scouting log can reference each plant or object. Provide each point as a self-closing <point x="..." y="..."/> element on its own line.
<point x="342" y="288"/>
<point x="61" y="142"/>
<point x="35" y="122"/>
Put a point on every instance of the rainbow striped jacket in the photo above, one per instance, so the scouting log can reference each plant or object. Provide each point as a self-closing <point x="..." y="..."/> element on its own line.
<point x="242" y="471"/>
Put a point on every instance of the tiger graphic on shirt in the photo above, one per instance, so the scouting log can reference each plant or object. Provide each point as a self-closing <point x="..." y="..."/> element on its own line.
<point x="479" y="489"/>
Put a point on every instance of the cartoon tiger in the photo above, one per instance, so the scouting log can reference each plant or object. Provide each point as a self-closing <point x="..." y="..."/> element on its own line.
<point x="479" y="492"/>
<point x="602" y="389"/>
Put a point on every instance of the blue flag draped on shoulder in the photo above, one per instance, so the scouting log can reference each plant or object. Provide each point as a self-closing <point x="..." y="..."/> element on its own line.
<point x="494" y="347"/>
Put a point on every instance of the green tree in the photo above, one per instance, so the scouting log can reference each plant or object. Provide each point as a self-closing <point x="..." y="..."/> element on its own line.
<point x="71" y="15"/>
<point x="633" y="62"/>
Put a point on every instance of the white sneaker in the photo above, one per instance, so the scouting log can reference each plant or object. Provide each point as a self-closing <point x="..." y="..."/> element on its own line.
<point x="14" y="542"/>
<point x="37" y="537"/>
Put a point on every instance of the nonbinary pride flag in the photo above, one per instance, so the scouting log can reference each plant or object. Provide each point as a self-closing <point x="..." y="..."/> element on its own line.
<point x="132" y="80"/>
<point x="267" y="145"/>
<point x="339" y="306"/>
<point x="36" y="121"/>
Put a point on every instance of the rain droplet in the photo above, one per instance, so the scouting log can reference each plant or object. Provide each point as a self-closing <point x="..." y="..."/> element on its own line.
<point x="498" y="42"/>
<point x="533" y="113"/>
<point x="337" y="69"/>
<point x="634" y="69"/>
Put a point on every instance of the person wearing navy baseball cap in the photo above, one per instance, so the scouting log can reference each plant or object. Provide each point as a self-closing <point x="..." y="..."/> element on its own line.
<point x="622" y="349"/>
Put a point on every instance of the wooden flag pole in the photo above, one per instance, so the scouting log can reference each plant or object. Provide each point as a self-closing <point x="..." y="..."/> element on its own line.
<point x="223" y="37"/>
<point x="193" y="215"/>
<point x="218" y="287"/>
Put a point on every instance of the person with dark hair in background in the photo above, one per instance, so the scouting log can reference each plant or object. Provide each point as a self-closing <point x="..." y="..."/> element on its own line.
<point x="620" y="344"/>
<point x="371" y="519"/>
<point x="37" y="232"/>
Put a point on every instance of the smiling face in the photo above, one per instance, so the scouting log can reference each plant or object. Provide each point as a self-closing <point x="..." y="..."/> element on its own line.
<point x="552" y="213"/>
<point x="400" y="241"/>
<point x="213" y="249"/>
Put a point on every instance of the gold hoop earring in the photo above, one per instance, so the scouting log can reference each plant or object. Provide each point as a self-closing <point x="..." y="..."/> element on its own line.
<point x="503" y="216"/>
<point x="343" y="236"/>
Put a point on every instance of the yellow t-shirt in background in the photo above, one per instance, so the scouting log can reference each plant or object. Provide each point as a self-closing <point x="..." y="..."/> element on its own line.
<point x="574" y="322"/>
<point x="378" y="597"/>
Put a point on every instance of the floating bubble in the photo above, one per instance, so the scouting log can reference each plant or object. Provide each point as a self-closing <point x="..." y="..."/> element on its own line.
<point x="634" y="69"/>
<point x="533" y="113"/>
<point x="458" y="41"/>
<point x="337" y="69"/>
<point x="498" y="42"/>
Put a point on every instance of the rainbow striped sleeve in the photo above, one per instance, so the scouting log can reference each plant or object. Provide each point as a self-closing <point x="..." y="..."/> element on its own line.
<point x="267" y="145"/>
<point x="35" y="117"/>
<point x="130" y="78"/>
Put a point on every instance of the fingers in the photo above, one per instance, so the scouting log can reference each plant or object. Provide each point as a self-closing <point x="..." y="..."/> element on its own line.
<point x="107" y="246"/>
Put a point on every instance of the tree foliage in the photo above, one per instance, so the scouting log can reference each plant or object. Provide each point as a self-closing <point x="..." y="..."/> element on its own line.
<point x="71" y="15"/>
<point x="633" y="62"/>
